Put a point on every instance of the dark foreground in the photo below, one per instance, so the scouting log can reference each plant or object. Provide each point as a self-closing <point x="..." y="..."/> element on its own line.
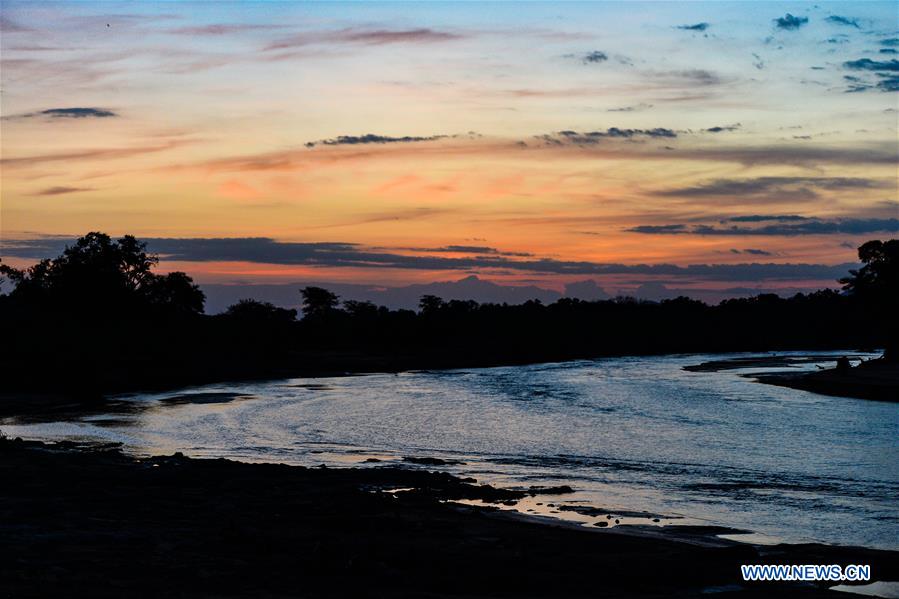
<point x="91" y="522"/>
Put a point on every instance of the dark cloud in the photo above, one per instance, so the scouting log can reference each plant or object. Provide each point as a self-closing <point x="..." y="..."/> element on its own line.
<point x="56" y="191"/>
<point x="843" y="21"/>
<point x="659" y="229"/>
<point x="888" y="51"/>
<point x="761" y="218"/>
<point x="889" y="84"/>
<point x="775" y="188"/>
<point x="338" y="254"/>
<point x="695" y="27"/>
<point x="370" y="138"/>
<point x="464" y="249"/>
<point x="752" y="252"/>
<point x="890" y="41"/>
<point x="722" y="129"/>
<point x="68" y="113"/>
<point x="849" y="226"/>
<point x="866" y="64"/>
<point x="885" y="70"/>
<point x="789" y="22"/>
<point x="594" y="57"/>
<point x="589" y="138"/>
<point x="368" y="37"/>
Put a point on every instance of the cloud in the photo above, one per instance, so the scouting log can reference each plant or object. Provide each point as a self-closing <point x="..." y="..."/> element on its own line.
<point x="752" y="252"/>
<point x="56" y="191"/>
<point x="370" y="138"/>
<point x="339" y="254"/>
<point x="659" y="229"/>
<point x="760" y="218"/>
<point x="886" y="70"/>
<point x="690" y="76"/>
<point x="633" y="108"/>
<point x="594" y="137"/>
<point x="589" y="146"/>
<point x="843" y="21"/>
<point x="890" y="41"/>
<point x="222" y="29"/>
<point x="368" y="37"/>
<point x="594" y="57"/>
<point x="95" y="154"/>
<point x="866" y="64"/>
<point x="68" y="113"/>
<point x="464" y="249"/>
<point x="849" y="226"/>
<point x="774" y="188"/>
<point x="694" y="27"/>
<point x="721" y="129"/>
<point x="789" y="22"/>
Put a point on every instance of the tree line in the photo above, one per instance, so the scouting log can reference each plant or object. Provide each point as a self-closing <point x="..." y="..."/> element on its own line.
<point x="98" y="318"/>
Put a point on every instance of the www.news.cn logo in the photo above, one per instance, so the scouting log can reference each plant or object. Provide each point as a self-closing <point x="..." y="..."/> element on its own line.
<point x="807" y="572"/>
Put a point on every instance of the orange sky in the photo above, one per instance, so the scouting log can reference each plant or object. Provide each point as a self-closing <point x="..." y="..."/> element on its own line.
<point x="704" y="133"/>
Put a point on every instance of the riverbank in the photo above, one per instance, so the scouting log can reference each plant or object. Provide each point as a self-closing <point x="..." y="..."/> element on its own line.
<point x="873" y="379"/>
<point x="90" y="521"/>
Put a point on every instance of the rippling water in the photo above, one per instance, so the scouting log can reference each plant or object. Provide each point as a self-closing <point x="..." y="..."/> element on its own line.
<point x="627" y="433"/>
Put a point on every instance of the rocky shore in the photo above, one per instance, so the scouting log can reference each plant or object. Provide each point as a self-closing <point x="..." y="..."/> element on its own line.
<point x="89" y="521"/>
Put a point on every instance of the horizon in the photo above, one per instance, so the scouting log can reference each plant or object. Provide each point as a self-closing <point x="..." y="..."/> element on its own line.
<point x="703" y="149"/>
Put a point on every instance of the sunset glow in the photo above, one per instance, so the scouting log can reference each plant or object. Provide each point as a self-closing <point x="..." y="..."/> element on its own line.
<point x="404" y="143"/>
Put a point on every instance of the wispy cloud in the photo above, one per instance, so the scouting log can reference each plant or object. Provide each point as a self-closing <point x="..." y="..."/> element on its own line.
<point x="722" y="129"/>
<point x="760" y="218"/>
<point x="774" y="188"/>
<point x="843" y="21"/>
<point x="93" y="154"/>
<point x="371" y="138"/>
<point x="695" y="27"/>
<point x="61" y="190"/>
<point x="223" y="29"/>
<point x="849" y="226"/>
<point x="67" y="113"/>
<point x="633" y="108"/>
<point x="367" y="37"/>
<point x="589" y="138"/>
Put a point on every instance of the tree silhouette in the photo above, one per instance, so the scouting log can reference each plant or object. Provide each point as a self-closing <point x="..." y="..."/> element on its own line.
<point x="430" y="304"/>
<point x="99" y="275"/>
<point x="318" y="302"/>
<point x="876" y="286"/>
<point x="250" y="310"/>
<point x="879" y="277"/>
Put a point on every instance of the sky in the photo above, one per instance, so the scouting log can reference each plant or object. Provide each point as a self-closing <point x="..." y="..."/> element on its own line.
<point x="708" y="147"/>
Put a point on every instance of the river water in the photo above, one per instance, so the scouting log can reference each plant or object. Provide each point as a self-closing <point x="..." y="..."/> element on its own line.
<point x="628" y="434"/>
